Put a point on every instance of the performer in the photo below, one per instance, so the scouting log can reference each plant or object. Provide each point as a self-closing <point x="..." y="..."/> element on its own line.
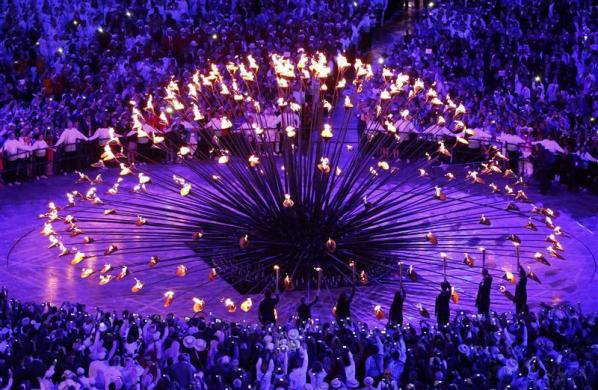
<point x="267" y="308"/>
<point x="69" y="137"/>
<point x="304" y="309"/>
<point x="521" y="292"/>
<point x="395" y="317"/>
<point x="482" y="300"/>
<point x="441" y="308"/>
<point x="343" y="305"/>
<point x="40" y="155"/>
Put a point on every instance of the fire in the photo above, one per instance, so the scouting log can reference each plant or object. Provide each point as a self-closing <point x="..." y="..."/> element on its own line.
<point x="181" y="270"/>
<point x="186" y="189"/>
<point x="86" y="272"/>
<point x="137" y="286"/>
<point x="123" y="273"/>
<point x="432" y="238"/>
<point x="254" y="161"/>
<point x="79" y="256"/>
<point x="140" y="221"/>
<point x="326" y="132"/>
<point x="246" y="305"/>
<point x="105" y="279"/>
<point x="154" y="260"/>
<point x="287" y="202"/>
<point x="331" y="245"/>
<point x="230" y="305"/>
<point x="212" y="275"/>
<point x="288" y="283"/>
<point x="106" y="268"/>
<point x="324" y="165"/>
<point x="198" y="305"/>
<point x="378" y="312"/>
<point x="168" y="298"/>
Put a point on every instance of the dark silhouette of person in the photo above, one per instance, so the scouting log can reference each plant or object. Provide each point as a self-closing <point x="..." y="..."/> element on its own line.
<point x="441" y="308"/>
<point x="521" y="292"/>
<point x="395" y="316"/>
<point x="482" y="300"/>
<point x="343" y="305"/>
<point x="304" y="309"/>
<point x="267" y="308"/>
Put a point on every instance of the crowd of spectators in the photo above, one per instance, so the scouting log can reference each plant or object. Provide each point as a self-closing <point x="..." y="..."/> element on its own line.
<point x="83" y="61"/>
<point x="525" y="69"/>
<point x="70" y="347"/>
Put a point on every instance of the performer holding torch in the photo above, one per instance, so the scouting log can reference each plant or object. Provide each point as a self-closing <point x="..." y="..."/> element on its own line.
<point x="442" y="309"/>
<point x="395" y="316"/>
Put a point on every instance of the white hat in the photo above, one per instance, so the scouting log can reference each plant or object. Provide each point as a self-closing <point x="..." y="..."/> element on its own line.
<point x="200" y="345"/>
<point x="511" y="366"/>
<point x="464" y="349"/>
<point x="189" y="341"/>
<point x="103" y="327"/>
<point x="293" y="334"/>
<point x="352" y="383"/>
<point x="368" y="381"/>
<point x="336" y="383"/>
<point x="225" y="359"/>
<point x="270" y="346"/>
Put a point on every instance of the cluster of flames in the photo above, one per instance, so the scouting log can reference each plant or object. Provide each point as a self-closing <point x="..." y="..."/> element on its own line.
<point x="237" y="83"/>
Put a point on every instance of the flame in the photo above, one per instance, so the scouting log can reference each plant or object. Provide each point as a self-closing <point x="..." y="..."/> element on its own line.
<point x="105" y="279"/>
<point x="326" y="132"/>
<point x="186" y="189"/>
<point x="111" y="249"/>
<point x="287" y="202"/>
<point x="48" y="230"/>
<point x="230" y="305"/>
<point x="254" y="160"/>
<point x="198" y="305"/>
<point x="79" y="256"/>
<point x="86" y="272"/>
<point x="246" y="305"/>
<point x="154" y="260"/>
<point x="140" y="221"/>
<point x="181" y="270"/>
<point x="137" y="286"/>
<point x="168" y="298"/>
<point x="124" y="271"/>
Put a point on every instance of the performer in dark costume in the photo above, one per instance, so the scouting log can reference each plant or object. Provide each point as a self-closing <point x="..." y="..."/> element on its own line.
<point x="395" y="316"/>
<point x="442" y="309"/>
<point x="343" y="306"/>
<point x="304" y="310"/>
<point x="267" y="308"/>
<point x="521" y="292"/>
<point x="482" y="300"/>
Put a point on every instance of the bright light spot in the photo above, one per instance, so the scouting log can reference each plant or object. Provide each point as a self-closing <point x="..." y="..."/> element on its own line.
<point x="430" y="4"/>
<point x="381" y="60"/>
<point x="128" y="14"/>
<point x="214" y="36"/>
<point x="60" y="50"/>
<point x="100" y="30"/>
<point x="537" y="78"/>
<point x="169" y="110"/>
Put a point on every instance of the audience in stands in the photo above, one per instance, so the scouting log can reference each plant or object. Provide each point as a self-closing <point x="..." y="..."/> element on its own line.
<point x="69" y="347"/>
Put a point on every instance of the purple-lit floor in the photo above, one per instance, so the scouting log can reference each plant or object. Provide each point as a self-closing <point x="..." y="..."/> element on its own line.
<point x="31" y="272"/>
